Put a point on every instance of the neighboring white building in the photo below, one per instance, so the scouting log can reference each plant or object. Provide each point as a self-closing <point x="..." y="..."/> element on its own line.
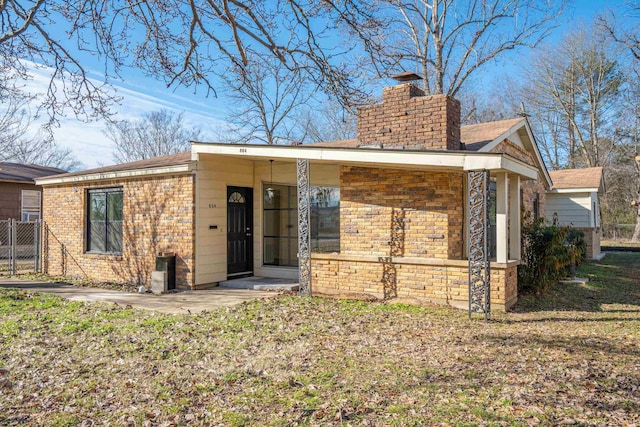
<point x="574" y="199"/>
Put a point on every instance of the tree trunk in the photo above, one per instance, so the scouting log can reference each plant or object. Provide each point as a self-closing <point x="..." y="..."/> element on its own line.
<point x="636" y="232"/>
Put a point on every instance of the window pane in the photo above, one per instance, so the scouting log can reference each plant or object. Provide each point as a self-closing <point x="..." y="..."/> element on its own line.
<point x="272" y="251"/>
<point x="280" y="199"/>
<point x="97" y="206"/>
<point x="293" y="197"/>
<point x="115" y="206"/>
<point x="293" y="252"/>
<point x="325" y="219"/>
<point x="325" y="196"/>
<point x="292" y="223"/>
<point x="115" y="236"/>
<point x="280" y="223"/>
<point x="97" y="234"/>
<point x="236" y="197"/>
<point x="31" y="200"/>
<point x="325" y="229"/>
<point x="272" y="223"/>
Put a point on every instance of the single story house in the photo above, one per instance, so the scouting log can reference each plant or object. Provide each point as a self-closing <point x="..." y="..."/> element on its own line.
<point x="574" y="201"/>
<point x="20" y="197"/>
<point x="394" y="213"/>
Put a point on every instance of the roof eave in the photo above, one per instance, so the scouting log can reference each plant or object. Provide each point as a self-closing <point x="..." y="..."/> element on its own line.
<point x="19" y="181"/>
<point x="456" y="160"/>
<point x="123" y="174"/>
<point x="513" y="129"/>
<point x="574" y="190"/>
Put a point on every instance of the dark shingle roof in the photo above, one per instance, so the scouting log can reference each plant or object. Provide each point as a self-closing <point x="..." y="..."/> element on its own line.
<point x="16" y="172"/>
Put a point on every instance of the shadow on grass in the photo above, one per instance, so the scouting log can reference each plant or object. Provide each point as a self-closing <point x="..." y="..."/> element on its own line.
<point x="614" y="280"/>
<point x="569" y="344"/>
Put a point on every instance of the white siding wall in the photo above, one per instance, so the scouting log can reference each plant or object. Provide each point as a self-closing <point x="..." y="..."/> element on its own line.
<point x="212" y="178"/>
<point x="572" y="208"/>
<point x="595" y="210"/>
<point x="214" y="174"/>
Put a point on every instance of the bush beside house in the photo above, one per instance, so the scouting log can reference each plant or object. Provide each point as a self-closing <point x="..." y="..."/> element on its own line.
<point x="548" y="254"/>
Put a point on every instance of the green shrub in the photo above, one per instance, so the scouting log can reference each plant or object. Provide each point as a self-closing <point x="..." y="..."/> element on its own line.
<point x="548" y="252"/>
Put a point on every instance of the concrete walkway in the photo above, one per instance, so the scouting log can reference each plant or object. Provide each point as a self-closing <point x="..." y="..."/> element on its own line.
<point x="175" y="303"/>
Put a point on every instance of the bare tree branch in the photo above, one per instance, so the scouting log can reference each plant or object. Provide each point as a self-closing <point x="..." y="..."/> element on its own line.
<point x="27" y="40"/>
<point x="268" y="96"/>
<point x="450" y="40"/>
<point x="158" y="133"/>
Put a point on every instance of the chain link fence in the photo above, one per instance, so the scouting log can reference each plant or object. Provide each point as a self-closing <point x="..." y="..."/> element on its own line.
<point x="617" y="232"/>
<point x="20" y="244"/>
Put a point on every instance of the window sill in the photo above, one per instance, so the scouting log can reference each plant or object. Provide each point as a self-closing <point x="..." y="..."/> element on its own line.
<point x="110" y="255"/>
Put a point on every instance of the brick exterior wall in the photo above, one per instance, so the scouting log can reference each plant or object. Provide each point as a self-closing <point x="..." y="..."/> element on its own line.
<point x="411" y="281"/>
<point x="592" y="239"/>
<point x="515" y="151"/>
<point x="401" y="237"/>
<point x="529" y="189"/>
<point x="158" y="215"/>
<point x="388" y="212"/>
<point x="408" y="119"/>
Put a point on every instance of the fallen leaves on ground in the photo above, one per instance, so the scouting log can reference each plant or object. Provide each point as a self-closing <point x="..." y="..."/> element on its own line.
<point x="310" y="361"/>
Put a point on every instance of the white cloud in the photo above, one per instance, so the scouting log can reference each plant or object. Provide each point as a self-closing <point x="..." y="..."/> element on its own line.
<point x="93" y="148"/>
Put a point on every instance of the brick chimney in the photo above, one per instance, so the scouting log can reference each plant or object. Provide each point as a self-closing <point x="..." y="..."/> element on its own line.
<point x="408" y="119"/>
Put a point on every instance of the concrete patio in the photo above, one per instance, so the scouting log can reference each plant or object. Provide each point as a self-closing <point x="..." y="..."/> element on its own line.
<point x="189" y="302"/>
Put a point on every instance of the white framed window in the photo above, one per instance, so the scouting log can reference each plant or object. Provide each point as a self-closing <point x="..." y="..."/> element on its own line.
<point x="30" y="205"/>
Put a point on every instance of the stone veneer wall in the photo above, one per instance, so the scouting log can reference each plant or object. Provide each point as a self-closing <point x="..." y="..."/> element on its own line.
<point x="158" y="216"/>
<point x="408" y="119"/>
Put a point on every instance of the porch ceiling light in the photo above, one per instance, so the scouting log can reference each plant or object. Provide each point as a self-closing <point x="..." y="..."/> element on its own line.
<point x="270" y="192"/>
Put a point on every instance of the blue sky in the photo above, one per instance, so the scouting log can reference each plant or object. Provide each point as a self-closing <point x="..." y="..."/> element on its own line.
<point x="142" y="94"/>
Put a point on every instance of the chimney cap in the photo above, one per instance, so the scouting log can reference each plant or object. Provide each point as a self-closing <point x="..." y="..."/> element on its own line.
<point x="406" y="77"/>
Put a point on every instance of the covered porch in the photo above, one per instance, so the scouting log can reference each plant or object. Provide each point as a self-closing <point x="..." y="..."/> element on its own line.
<point x="401" y="220"/>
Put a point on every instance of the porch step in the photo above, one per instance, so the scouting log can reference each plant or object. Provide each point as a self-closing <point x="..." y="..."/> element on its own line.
<point x="261" y="284"/>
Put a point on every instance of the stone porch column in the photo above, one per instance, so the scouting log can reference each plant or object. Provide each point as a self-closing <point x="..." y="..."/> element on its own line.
<point x="304" y="225"/>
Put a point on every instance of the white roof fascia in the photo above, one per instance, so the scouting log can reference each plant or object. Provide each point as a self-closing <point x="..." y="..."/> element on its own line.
<point x="513" y="129"/>
<point x="490" y="146"/>
<point x="501" y="163"/>
<point x="538" y="155"/>
<point x="455" y="160"/>
<point x="519" y="168"/>
<point x="356" y="155"/>
<point x="133" y="173"/>
<point x="573" y="190"/>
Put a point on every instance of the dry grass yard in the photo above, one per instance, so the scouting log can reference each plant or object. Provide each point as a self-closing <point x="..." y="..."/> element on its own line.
<point x="570" y="358"/>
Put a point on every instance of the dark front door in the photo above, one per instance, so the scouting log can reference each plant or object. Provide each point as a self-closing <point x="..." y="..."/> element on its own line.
<point x="239" y="231"/>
